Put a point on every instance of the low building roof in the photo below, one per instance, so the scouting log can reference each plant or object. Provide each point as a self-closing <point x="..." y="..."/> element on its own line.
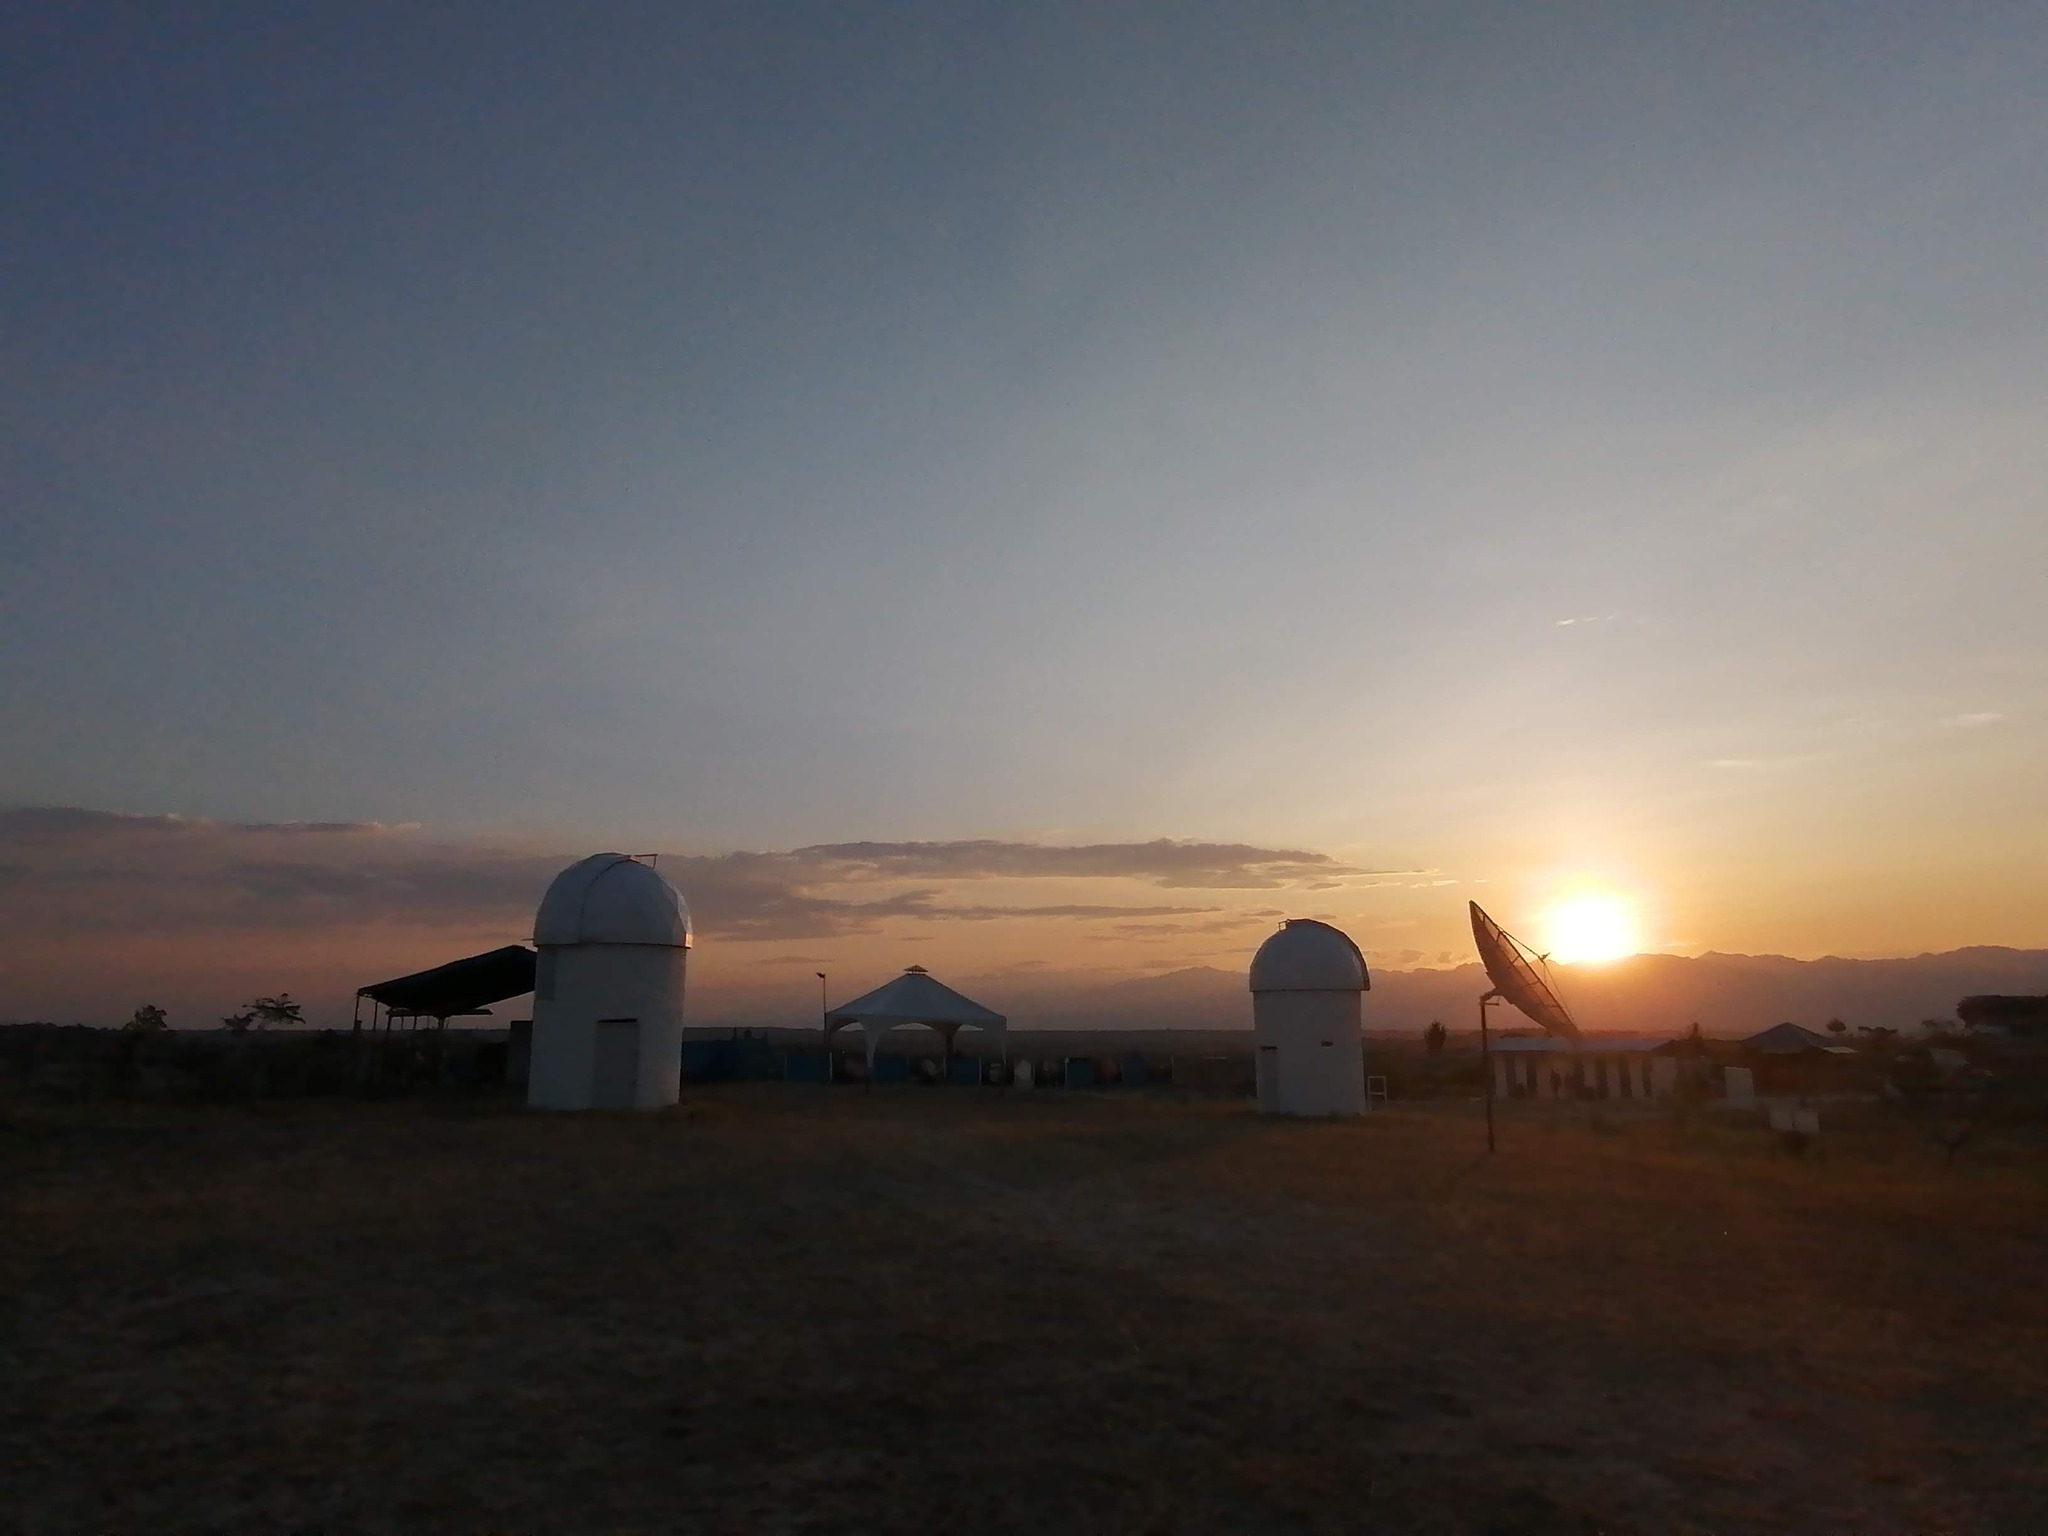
<point x="1787" y="1039"/>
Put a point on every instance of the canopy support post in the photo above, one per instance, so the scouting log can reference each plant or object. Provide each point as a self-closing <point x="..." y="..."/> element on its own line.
<point x="874" y="1043"/>
<point x="825" y="1027"/>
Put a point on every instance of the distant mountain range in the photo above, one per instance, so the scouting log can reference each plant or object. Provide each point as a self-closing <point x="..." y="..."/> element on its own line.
<point x="1654" y="994"/>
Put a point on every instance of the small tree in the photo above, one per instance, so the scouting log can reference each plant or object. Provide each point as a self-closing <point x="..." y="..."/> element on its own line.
<point x="147" y="1020"/>
<point x="238" y="1023"/>
<point x="1953" y="1108"/>
<point x="1433" y="1037"/>
<point x="277" y="1011"/>
<point x="1837" y="1028"/>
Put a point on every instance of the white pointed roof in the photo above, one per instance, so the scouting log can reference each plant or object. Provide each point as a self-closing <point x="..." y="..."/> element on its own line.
<point x="915" y="998"/>
<point x="1309" y="956"/>
<point x="609" y="898"/>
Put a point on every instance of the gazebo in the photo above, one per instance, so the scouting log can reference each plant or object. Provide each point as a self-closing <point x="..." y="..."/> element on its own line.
<point x="912" y="998"/>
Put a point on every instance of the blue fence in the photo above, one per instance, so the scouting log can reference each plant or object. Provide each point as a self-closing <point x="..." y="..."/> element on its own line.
<point x="806" y="1066"/>
<point x="964" y="1070"/>
<point x="749" y="1058"/>
<point x="746" y="1058"/>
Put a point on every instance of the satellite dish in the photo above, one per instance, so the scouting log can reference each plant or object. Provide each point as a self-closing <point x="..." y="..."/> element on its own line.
<point x="1513" y="976"/>
<point x="1515" y="981"/>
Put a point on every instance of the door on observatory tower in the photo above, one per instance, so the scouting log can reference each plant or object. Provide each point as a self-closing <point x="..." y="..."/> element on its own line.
<point x="615" y="1064"/>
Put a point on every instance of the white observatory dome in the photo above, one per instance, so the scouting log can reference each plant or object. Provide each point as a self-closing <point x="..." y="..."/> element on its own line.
<point x="611" y="899"/>
<point x="1308" y="956"/>
<point x="1308" y="1010"/>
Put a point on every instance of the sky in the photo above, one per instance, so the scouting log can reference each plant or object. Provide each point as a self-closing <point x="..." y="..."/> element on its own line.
<point x="1390" y="454"/>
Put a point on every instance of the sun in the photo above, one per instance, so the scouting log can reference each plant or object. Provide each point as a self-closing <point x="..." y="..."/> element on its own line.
<point x="1590" y="929"/>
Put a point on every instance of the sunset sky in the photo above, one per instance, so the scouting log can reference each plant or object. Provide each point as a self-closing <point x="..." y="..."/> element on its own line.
<point x="1050" y="486"/>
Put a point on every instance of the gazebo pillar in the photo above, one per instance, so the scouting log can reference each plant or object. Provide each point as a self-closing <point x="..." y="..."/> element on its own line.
<point x="873" y="1029"/>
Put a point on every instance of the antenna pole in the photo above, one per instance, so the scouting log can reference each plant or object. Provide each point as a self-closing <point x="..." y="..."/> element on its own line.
<point x="1486" y="1062"/>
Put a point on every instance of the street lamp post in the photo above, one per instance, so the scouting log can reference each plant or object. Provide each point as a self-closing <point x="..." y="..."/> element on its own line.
<point x="824" y="1026"/>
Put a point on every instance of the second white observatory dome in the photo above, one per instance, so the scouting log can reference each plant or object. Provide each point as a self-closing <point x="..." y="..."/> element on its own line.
<point x="1308" y="985"/>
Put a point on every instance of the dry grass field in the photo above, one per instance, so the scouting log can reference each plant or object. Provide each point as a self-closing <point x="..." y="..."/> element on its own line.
<point x="790" y="1309"/>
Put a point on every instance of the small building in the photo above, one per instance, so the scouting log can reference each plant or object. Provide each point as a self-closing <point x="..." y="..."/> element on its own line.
<point x="1787" y="1039"/>
<point x="1308" y="984"/>
<point x="1589" y="1067"/>
<point x="1789" y="1058"/>
<point x="614" y="942"/>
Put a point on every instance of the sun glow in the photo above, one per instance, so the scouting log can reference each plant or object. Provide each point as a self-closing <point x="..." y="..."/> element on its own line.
<point x="1591" y="929"/>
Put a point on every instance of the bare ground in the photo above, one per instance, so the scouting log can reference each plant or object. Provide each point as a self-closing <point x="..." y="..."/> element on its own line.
<point x="791" y="1309"/>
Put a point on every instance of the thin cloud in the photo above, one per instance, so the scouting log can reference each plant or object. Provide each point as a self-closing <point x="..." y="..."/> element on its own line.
<point x="70" y="822"/>
<point x="1580" y="621"/>
<point x="1974" y="721"/>
<point x="324" y="828"/>
<point x="990" y="914"/>
<point x="1163" y="861"/>
<point x="1220" y="924"/>
<point x="72" y="869"/>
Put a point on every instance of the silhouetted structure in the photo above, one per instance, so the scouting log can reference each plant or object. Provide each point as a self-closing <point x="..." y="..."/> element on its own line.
<point x="458" y="989"/>
<point x="2005" y="1015"/>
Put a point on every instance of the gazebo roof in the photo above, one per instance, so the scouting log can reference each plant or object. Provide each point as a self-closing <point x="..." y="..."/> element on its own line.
<point x="914" y="998"/>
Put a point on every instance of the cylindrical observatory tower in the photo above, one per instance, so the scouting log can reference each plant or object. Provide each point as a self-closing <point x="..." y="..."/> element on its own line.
<point x="1308" y="994"/>
<point x="614" y="942"/>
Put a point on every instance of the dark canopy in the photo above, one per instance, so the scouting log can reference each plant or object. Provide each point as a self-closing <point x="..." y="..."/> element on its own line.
<point x="460" y="986"/>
